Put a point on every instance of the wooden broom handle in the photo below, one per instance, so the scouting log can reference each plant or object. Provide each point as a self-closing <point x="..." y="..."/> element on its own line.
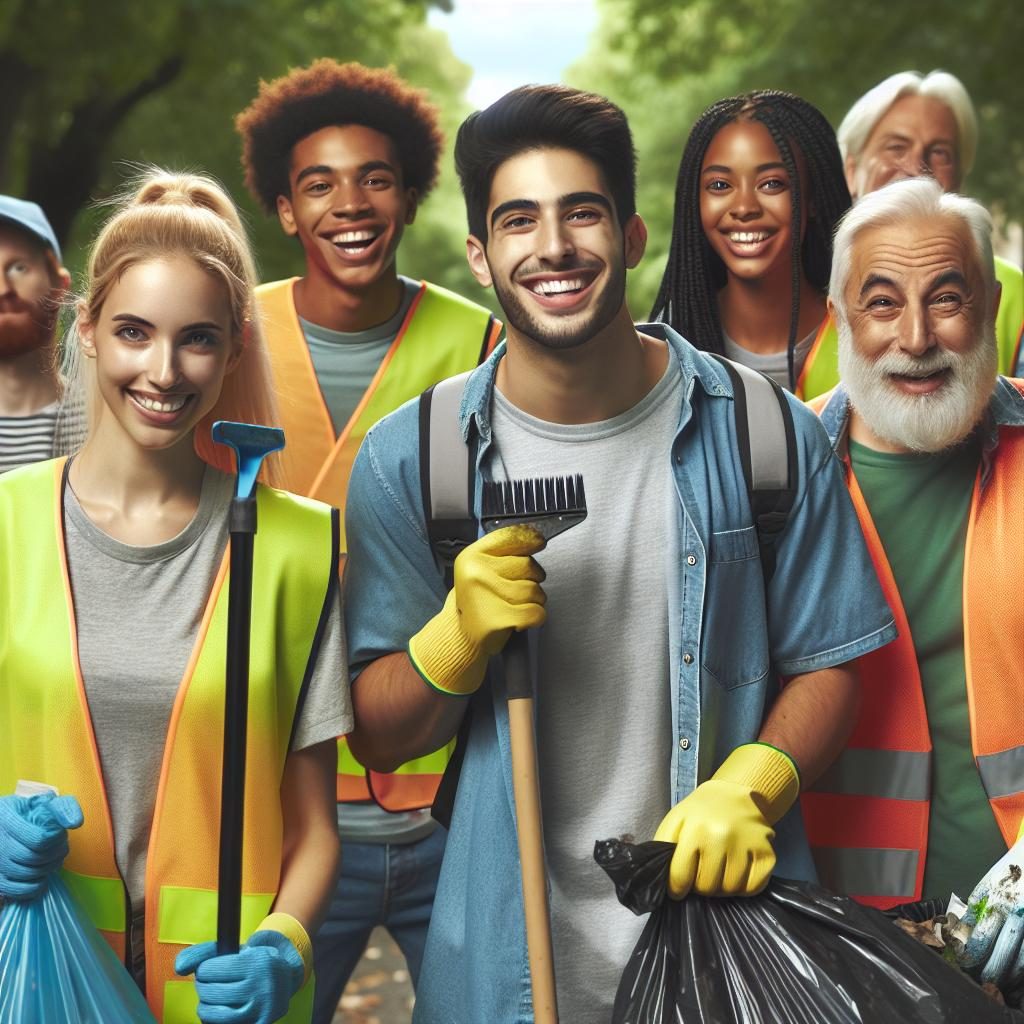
<point x="526" y="787"/>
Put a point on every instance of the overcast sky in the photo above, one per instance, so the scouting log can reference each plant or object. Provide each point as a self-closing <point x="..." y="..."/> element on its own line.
<point x="515" y="42"/>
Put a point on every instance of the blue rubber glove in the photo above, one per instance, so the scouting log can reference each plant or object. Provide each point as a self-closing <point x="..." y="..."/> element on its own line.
<point x="995" y="912"/>
<point x="33" y="841"/>
<point x="252" y="986"/>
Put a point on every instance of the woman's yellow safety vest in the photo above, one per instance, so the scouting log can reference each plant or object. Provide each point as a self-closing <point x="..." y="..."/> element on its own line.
<point x="46" y="731"/>
<point x="442" y="335"/>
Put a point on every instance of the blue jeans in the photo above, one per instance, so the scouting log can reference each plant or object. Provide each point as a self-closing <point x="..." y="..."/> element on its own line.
<point x="388" y="884"/>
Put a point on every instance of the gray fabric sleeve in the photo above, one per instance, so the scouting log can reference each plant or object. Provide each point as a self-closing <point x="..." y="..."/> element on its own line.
<point x="327" y="710"/>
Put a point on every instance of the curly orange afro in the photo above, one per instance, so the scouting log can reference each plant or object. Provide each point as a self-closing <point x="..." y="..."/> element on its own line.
<point x="305" y="100"/>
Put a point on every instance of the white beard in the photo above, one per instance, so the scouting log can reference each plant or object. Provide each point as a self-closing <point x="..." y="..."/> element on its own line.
<point x="921" y="423"/>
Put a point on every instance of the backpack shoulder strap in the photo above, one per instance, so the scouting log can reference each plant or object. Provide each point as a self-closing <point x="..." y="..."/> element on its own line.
<point x="447" y="470"/>
<point x="767" y="444"/>
<point x="447" y="479"/>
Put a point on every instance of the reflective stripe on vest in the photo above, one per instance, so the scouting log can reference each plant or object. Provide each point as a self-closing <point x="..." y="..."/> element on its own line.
<point x="443" y="334"/>
<point x="102" y="899"/>
<point x="893" y="774"/>
<point x="867" y="818"/>
<point x="41" y="688"/>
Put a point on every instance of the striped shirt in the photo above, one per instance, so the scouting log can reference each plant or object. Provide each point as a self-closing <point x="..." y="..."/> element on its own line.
<point x="27" y="439"/>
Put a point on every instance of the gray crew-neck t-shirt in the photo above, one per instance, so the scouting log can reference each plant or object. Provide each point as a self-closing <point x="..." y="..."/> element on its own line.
<point x="345" y="362"/>
<point x="138" y="612"/>
<point x="604" y="724"/>
<point x="772" y="364"/>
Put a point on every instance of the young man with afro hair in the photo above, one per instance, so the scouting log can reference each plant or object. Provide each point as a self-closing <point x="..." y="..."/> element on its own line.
<point x="344" y="154"/>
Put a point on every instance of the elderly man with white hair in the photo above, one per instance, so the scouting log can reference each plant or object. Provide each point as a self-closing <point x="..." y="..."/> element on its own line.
<point x="929" y="793"/>
<point x="913" y="124"/>
<point x="907" y="126"/>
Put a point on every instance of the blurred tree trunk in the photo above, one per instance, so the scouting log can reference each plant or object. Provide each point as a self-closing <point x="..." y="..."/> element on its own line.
<point x="62" y="175"/>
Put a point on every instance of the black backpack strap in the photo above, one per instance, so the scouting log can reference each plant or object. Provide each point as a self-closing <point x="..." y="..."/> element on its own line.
<point x="447" y="474"/>
<point x="767" y="446"/>
<point x="447" y="478"/>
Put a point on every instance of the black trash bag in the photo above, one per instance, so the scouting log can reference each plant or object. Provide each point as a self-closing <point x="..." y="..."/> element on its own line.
<point x="795" y="954"/>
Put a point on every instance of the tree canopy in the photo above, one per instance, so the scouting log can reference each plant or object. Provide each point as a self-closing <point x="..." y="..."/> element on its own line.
<point x="94" y="91"/>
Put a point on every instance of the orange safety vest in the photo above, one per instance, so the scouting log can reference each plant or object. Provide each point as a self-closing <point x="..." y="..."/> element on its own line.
<point x="867" y="817"/>
<point x="442" y="335"/>
<point x="46" y="732"/>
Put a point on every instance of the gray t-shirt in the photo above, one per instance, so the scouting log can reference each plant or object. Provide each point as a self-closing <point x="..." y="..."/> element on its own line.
<point x="774" y="364"/>
<point x="345" y="362"/>
<point x="138" y="611"/>
<point x="604" y="733"/>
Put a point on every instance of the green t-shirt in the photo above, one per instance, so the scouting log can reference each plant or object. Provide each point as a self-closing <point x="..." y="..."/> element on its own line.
<point x="920" y="506"/>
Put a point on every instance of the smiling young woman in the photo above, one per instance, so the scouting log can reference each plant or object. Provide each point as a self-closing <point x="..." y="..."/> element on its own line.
<point x="759" y="193"/>
<point x="114" y="635"/>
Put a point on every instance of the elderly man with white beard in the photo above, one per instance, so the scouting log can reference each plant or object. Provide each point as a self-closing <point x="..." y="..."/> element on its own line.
<point x="929" y="793"/>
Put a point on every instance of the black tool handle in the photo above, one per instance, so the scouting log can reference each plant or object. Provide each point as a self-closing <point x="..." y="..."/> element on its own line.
<point x="236" y="708"/>
<point x="518" y="677"/>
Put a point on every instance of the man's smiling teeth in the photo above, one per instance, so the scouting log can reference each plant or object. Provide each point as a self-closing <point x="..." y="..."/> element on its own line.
<point x="557" y="287"/>
<point x="353" y="237"/>
<point x="747" y="237"/>
<point x="170" y="405"/>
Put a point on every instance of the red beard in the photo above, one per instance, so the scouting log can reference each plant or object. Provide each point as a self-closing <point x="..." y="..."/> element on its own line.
<point x="20" y="330"/>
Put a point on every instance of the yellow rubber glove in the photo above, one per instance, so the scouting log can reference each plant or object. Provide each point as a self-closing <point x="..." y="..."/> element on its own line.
<point x="723" y="829"/>
<point x="497" y="589"/>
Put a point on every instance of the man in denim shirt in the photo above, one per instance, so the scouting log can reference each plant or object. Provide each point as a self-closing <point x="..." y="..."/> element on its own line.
<point x="659" y="659"/>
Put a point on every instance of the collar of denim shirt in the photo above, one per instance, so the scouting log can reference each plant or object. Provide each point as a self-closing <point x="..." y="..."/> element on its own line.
<point x="1005" y="409"/>
<point x="694" y="365"/>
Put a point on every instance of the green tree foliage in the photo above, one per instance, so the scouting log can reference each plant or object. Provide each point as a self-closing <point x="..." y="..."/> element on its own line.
<point x="94" y="90"/>
<point x="665" y="62"/>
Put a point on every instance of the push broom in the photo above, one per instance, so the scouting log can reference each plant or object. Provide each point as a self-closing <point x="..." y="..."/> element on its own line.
<point x="251" y="444"/>
<point x="551" y="506"/>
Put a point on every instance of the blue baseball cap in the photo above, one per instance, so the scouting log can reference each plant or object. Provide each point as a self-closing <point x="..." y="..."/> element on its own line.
<point x="29" y="216"/>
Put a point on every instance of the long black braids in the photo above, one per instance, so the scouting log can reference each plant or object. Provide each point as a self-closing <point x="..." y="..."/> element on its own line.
<point x="688" y="296"/>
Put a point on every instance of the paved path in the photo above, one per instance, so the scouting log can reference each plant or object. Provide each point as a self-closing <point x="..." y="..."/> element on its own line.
<point x="378" y="991"/>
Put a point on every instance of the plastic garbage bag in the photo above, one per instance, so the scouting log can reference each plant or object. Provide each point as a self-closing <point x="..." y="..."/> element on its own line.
<point x="56" y="968"/>
<point x="795" y="954"/>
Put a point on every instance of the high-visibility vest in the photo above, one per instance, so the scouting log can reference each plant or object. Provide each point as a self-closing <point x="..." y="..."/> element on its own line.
<point x="867" y="818"/>
<point x="821" y="368"/>
<point x="1009" y="316"/>
<point x="46" y="732"/>
<point x="442" y="335"/>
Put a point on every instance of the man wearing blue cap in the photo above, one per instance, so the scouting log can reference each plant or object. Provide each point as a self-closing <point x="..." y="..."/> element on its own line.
<point x="32" y="283"/>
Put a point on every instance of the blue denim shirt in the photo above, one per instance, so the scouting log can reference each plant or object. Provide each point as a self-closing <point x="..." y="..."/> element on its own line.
<point x="730" y="641"/>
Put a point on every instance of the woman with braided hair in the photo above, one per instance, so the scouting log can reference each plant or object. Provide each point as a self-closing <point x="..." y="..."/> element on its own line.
<point x="758" y="172"/>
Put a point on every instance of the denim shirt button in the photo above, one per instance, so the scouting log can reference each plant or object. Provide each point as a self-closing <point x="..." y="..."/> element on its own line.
<point x="687" y="659"/>
<point x="684" y="743"/>
<point x="691" y="559"/>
